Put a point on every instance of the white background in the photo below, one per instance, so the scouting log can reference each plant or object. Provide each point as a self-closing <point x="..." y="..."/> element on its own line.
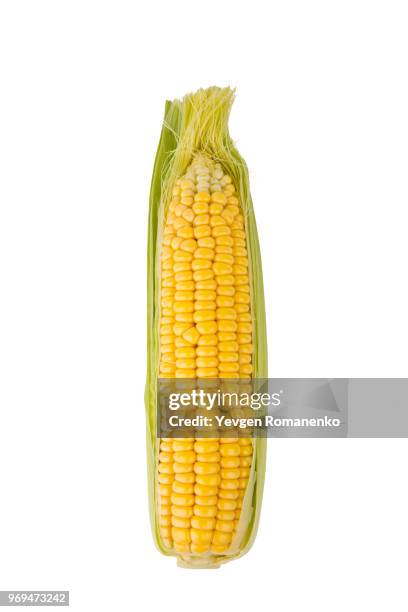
<point x="321" y="119"/>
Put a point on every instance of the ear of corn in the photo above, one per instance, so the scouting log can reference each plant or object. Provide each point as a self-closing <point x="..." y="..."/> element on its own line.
<point x="206" y="319"/>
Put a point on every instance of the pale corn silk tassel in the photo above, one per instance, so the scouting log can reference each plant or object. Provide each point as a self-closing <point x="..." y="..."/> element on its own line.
<point x="206" y="320"/>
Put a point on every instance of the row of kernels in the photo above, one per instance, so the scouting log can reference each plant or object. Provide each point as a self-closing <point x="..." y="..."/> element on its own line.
<point x="245" y="461"/>
<point x="207" y="480"/>
<point x="182" y="497"/>
<point x="228" y="494"/>
<point x="165" y="481"/>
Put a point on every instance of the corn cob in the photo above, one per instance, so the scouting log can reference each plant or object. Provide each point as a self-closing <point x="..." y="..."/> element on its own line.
<point x="205" y="324"/>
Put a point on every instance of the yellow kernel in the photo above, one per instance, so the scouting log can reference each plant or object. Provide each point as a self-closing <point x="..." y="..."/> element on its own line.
<point x="208" y="480"/>
<point x="205" y="491"/>
<point x="182" y="468"/>
<point x="182" y="296"/>
<point x="180" y="522"/>
<point x="184" y="456"/>
<point x="188" y="477"/>
<point x="242" y="298"/>
<point x="182" y="256"/>
<point x="182" y="511"/>
<point x="226" y="290"/>
<point x="230" y="450"/>
<point x="165" y="509"/>
<point x="187" y="285"/>
<point x="188" y="245"/>
<point x="183" y="275"/>
<point x="220" y="268"/>
<point x="180" y="342"/>
<point x="217" y="221"/>
<point x="210" y="500"/>
<point x="241" y="308"/>
<point x="228" y="494"/>
<point x="199" y="536"/>
<point x="201" y="220"/>
<point x="191" y="335"/>
<point x="246" y="349"/>
<point x="227" y="279"/>
<point x="186" y="184"/>
<point x="239" y="270"/>
<point x="206" y="243"/>
<point x="180" y="535"/>
<point x="205" y="511"/>
<point x="204" y="316"/>
<point x="165" y="489"/>
<point x="226" y="314"/>
<point x="245" y="461"/>
<point x="184" y="317"/>
<point x="226" y="515"/>
<point x="230" y="485"/>
<point x="183" y="487"/>
<point x="226" y="326"/>
<point x="181" y="266"/>
<point x="179" y="222"/>
<point x="183" y="444"/>
<point x="244" y="328"/>
<point x="203" y="522"/>
<point x="228" y="347"/>
<point x="166" y="533"/>
<point x="206" y="468"/>
<point x="218" y="196"/>
<point x="199" y="548"/>
<point x="201" y="264"/>
<point x="204" y="253"/>
<point x="165" y="457"/>
<point x="201" y="276"/>
<point x="207" y="373"/>
<point x="228" y="368"/>
<point x="227" y="357"/>
<point x="202" y="231"/>
<point x="210" y="458"/>
<point x="221" y="230"/>
<point x="216" y="209"/>
<point x="188" y="215"/>
<point x="206" y="351"/>
<point x="230" y="462"/>
<point x="183" y="306"/>
<point x="200" y="208"/>
<point x="206" y="362"/>
<point x="182" y="500"/>
<point x="231" y="473"/>
<point x="166" y="468"/>
<point x="207" y="305"/>
<point x="208" y="340"/>
<point x="240" y="251"/>
<point x="202" y="196"/>
<point x="185" y="231"/>
<point x="225" y="240"/>
<point x="228" y="218"/>
<point x="205" y="295"/>
<point x="227" y="504"/>
<point x="207" y="327"/>
<point x="206" y="446"/>
<point x="225" y="258"/>
<point x="222" y="537"/>
<point x="246" y="451"/>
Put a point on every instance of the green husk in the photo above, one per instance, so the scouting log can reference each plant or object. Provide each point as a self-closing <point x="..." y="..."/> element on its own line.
<point x="199" y="123"/>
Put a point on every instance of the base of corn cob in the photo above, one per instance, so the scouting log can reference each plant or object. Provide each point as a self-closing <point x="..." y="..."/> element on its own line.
<point x="207" y="490"/>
